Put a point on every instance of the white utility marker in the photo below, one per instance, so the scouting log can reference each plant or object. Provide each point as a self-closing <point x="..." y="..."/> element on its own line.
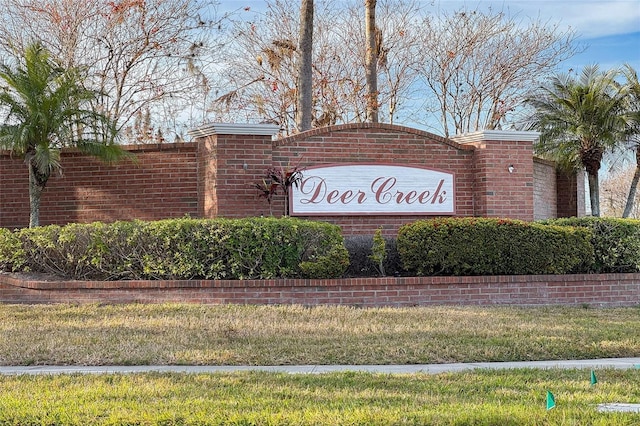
<point x="619" y="408"/>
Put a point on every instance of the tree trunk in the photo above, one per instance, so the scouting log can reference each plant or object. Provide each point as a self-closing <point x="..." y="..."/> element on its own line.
<point x="591" y="159"/>
<point x="594" y="194"/>
<point x="631" y="198"/>
<point x="305" y="70"/>
<point x="35" y="193"/>
<point x="371" y="68"/>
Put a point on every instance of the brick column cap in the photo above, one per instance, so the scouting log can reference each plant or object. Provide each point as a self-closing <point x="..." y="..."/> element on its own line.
<point x="233" y="129"/>
<point x="496" y="135"/>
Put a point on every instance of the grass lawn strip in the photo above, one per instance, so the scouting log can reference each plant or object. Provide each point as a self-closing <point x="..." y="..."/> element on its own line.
<point x="294" y="335"/>
<point x="507" y="397"/>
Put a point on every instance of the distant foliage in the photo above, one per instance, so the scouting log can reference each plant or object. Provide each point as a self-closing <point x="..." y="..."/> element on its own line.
<point x="255" y="248"/>
<point x="481" y="246"/>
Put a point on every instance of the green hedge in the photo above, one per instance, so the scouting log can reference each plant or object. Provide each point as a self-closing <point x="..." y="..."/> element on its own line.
<point x="616" y="242"/>
<point x="11" y="254"/>
<point x="481" y="246"/>
<point x="254" y="248"/>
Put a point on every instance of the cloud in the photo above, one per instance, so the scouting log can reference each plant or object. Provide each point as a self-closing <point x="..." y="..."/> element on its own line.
<point x="589" y="18"/>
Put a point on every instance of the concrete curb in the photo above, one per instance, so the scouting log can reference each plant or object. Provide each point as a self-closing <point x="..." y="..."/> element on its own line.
<point x="615" y="363"/>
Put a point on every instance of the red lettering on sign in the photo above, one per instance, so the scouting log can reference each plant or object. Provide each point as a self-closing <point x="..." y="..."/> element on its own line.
<point x="381" y="187"/>
<point x="439" y="194"/>
<point x="315" y="186"/>
<point x="333" y="196"/>
<point x="408" y="198"/>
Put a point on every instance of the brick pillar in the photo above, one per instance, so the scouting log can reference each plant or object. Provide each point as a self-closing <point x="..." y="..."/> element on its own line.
<point x="504" y="185"/>
<point x="231" y="158"/>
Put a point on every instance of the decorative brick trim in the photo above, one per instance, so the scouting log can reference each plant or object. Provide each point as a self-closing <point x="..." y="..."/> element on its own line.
<point x="602" y="290"/>
<point x="372" y="126"/>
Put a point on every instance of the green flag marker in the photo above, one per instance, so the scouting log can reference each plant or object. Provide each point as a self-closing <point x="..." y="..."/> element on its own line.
<point x="551" y="401"/>
<point x="594" y="380"/>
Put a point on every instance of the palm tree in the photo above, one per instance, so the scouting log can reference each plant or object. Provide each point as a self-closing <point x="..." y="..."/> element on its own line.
<point x="44" y="109"/>
<point x="633" y="134"/>
<point x="371" y="60"/>
<point x="579" y="119"/>
<point x="305" y="68"/>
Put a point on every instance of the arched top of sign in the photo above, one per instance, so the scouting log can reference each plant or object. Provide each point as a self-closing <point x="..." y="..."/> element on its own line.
<point x="373" y="189"/>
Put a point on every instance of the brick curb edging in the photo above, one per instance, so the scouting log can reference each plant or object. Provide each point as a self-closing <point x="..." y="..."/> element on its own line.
<point x="603" y="290"/>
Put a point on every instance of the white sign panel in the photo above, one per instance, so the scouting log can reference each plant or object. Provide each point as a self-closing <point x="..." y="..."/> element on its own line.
<point x="373" y="189"/>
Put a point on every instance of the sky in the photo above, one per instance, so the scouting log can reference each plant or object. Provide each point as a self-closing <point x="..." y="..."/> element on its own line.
<point x="608" y="31"/>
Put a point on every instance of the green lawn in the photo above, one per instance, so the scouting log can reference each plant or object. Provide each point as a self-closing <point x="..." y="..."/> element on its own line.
<point x="271" y="335"/>
<point x="515" y="397"/>
<point x="285" y="335"/>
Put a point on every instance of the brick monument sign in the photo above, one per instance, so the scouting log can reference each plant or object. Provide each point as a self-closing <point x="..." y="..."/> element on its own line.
<point x="359" y="176"/>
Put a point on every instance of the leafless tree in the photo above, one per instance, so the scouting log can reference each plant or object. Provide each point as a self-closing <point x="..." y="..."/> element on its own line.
<point x="399" y="53"/>
<point x="261" y="76"/>
<point x="478" y="65"/>
<point x="140" y="54"/>
<point x="614" y="194"/>
<point x="259" y="69"/>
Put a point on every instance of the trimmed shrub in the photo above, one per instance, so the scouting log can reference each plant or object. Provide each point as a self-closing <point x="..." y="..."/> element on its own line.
<point x="12" y="256"/>
<point x="254" y="248"/>
<point x="616" y="242"/>
<point x="481" y="246"/>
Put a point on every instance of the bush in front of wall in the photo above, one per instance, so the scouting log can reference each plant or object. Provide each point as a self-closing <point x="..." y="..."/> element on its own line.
<point x="484" y="246"/>
<point x="254" y="248"/>
<point x="360" y="248"/>
<point x="379" y="252"/>
<point x="11" y="255"/>
<point x="616" y="242"/>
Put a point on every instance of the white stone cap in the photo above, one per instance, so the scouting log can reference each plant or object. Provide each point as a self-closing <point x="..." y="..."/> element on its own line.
<point x="233" y="129"/>
<point x="496" y="135"/>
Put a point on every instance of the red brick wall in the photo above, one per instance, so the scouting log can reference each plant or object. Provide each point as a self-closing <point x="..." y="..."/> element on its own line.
<point x="602" y="290"/>
<point x="545" y="197"/>
<point x="162" y="183"/>
<point x="504" y="175"/>
<point x="14" y="192"/>
<point x="240" y="162"/>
